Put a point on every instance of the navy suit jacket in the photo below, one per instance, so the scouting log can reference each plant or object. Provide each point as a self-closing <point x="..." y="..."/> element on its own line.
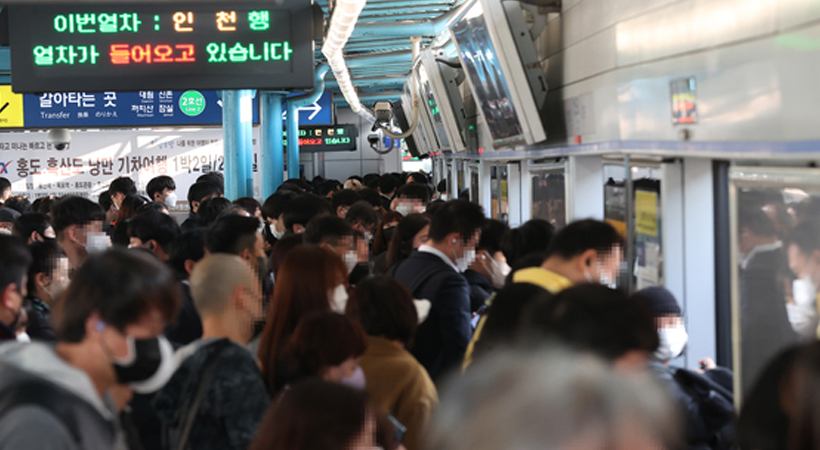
<point x="442" y="339"/>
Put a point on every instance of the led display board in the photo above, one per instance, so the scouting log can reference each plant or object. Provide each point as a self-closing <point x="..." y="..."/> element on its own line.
<point x="327" y="138"/>
<point x="161" y="46"/>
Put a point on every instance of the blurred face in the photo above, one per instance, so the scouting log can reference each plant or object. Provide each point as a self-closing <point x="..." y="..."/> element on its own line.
<point x="803" y="265"/>
<point x="335" y="374"/>
<point x="608" y="264"/>
<point x="421" y="237"/>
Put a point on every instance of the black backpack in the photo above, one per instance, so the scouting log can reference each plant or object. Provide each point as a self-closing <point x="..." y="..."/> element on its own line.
<point x="716" y="406"/>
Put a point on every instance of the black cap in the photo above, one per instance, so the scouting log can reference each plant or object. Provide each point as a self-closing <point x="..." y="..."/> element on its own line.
<point x="660" y="301"/>
<point x="8" y="215"/>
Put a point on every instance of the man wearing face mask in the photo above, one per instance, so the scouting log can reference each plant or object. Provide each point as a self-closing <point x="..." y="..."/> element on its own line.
<point x="153" y="231"/>
<point x="338" y="236"/>
<point x="434" y="272"/>
<point x="586" y="251"/>
<point x="109" y="337"/>
<point x="704" y="397"/>
<point x="47" y="279"/>
<point x="273" y="213"/>
<point x="162" y="189"/>
<point x="14" y="263"/>
<point x="363" y="219"/>
<point x="228" y="298"/>
<point x="78" y="223"/>
<point x="412" y="198"/>
<point x="490" y="269"/>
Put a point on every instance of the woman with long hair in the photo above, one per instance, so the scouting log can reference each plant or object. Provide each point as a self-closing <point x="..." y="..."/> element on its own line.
<point x="311" y="278"/>
<point x="410" y="234"/>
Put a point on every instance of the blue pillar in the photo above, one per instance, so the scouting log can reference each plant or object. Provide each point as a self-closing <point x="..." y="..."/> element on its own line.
<point x="271" y="158"/>
<point x="237" y="123"/>
<point x="293" y="140"/>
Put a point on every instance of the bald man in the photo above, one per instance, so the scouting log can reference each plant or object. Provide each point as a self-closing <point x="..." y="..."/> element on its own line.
<point x="227" y="295"/>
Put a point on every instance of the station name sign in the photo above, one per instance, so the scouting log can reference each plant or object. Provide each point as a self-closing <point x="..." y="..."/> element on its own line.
<point x="161" y="46"/>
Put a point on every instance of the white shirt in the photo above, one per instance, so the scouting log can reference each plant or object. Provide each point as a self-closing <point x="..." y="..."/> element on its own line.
<point x="440" y="254"/>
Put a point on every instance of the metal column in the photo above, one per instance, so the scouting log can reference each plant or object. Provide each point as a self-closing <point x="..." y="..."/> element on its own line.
<point x="237" y="126"/>
<point x="271" y="142"/>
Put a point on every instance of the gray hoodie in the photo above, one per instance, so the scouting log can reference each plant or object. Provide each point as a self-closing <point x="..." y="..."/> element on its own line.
<point x="30" y="426"/>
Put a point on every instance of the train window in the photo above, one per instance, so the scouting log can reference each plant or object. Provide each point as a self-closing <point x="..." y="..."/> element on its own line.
<point x="775" y="264"/>
<point x="549" y="196"/>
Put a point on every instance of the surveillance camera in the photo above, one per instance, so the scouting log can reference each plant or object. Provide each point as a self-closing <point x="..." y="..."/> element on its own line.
<point x="373" y="139"/>
<point x="384" y="112"/>
<point x="59" y="138"/>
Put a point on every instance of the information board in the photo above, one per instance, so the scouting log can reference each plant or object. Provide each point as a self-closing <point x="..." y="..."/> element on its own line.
<point x="161" y="46"/>
<point x="330" y="138"/>
<point x="124" y="109"/>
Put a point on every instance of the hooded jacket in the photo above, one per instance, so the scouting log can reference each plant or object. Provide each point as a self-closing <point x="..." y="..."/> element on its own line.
<point x="86" y="422"/>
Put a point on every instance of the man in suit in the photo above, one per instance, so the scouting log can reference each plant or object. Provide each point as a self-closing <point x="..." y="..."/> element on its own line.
<point x="434" y="272"/>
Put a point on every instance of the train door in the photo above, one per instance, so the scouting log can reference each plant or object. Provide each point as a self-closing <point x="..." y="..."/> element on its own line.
<point x="773" y="213"/>
<point x="547" y="193"/>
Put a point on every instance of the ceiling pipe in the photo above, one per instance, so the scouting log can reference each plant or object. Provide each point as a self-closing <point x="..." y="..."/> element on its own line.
<point x="411" y="28"/>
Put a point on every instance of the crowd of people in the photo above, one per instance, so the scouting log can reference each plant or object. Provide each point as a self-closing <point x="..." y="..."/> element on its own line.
<point x="332" y="315"/>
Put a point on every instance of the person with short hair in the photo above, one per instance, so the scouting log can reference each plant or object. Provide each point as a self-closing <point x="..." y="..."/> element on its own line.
<point x="210" y="209"/>
<point x="19" y="203"/>
<point x="197" y="193"/>
<point x="120" y="188"/>
<point x="78" y="224"/>
<point x="162" y="189"/>
<point x="411" y="198"/>
<point x="104" y="200"/>
<point x="301" y="209"/>
<point x="343" y="200"/>
<point x="434" y="272"/>
<point x="704" y="397"/>
<point x="185" y="251"/>
<point x="273" y="213"/>
<point x="8" y="217"/>
<point x="228" y="297"/>
<point x="215" y="178"/>
<point x="129" y="208"/>
<point x="154" y="231"/>
<point x="586" y="251"/>
<point x="108" y="324"/>
<point x="490" y="269"/>
<point x="249" y="205"/>
<point x="5" y="189"/>
<point x="396" y="381"/>
<point x="363" y="219"/>
<point x="387" y="189"/>
<point x="595" y="319"/>
<point x="47" y="279"/>
<point x="238" y="235"/>
<point x="533" y="236"/>
<point x="335" y="234"/>
<point x="14" y="263"/>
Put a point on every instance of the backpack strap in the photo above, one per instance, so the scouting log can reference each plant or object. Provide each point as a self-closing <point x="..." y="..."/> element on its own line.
<point x="207" y="371"/>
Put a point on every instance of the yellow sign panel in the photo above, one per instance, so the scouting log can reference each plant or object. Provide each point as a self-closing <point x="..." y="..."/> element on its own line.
<point x="11" y="108"/>
<point x="646" y="213"/>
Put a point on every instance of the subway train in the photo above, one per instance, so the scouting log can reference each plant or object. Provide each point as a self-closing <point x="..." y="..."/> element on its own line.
<point x="687" y="125"/>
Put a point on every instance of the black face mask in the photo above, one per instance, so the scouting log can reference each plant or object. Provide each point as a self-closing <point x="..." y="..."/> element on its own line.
<point x="388" y="234"/>
<point x="145" y="361"/>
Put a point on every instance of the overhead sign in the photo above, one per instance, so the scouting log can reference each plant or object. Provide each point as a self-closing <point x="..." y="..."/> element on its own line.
<point x="319" y="113"/>
<point x="161" y="46"/>
<point x="122" y="109"/>
<point x="331" y="138"/>
<point x="11" y="108"/>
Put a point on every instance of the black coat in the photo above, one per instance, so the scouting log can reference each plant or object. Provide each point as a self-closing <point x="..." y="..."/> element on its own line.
<point x="442" y="339"/>
<point x="480" y="289"/>
<point x="188" y="326"/>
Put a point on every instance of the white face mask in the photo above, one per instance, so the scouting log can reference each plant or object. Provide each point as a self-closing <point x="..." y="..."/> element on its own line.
<point x="404" y="210"/>
<point x="338" y="299"/>
<point x="351" y="259"/>
<point x="97" y="242"/>
<point x="464" y="262"/>
<point x="275" y="232"/>
<point x="171" y="200"/>
<point x="56" y="288"/>
<point x="443" y="197"/>
<point x="803" y="313"/>
<point x="356" y="381"/>
<point x="166" y="369"/>
<point x="497" y="271"/>
<point x="368" y="236"/>
<point x="672" y="342"/>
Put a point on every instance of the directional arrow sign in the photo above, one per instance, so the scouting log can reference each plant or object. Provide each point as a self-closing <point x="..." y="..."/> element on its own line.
<point x="319" y="113"/>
